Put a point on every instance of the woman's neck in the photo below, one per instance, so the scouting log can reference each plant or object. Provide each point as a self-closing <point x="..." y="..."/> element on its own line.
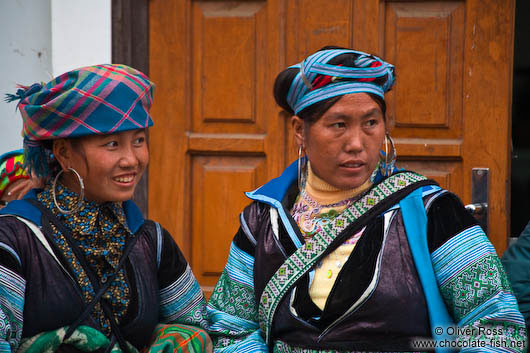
<point x="326" y="194"/>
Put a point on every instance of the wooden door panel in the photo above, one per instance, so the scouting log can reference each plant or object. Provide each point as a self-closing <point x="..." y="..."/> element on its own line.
<point x="426" y="44"/>
<point x="226" y="142"/>
<point x="168" y="165"/>
<point x="216" y="206"/>
<point x="314" y="24"/>
<point x="428" y="53"/>
<point x="211" y="142"/>
<point x="218" y="131"/>
<point x="447" y="173"/>
<point x="487" y="106"/>
<point x="228" y="66"/>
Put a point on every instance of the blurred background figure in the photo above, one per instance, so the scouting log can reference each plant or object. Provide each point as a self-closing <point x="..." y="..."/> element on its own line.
<point x="15" y="182"/>
<point x="516" y="261"/>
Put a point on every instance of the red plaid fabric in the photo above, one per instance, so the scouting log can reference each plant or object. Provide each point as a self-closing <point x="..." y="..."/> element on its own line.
<point x="99" y="99"/>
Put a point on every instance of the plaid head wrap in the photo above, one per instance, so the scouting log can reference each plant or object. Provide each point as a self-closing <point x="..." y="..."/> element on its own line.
<point x="318" y="80"/>
<point x="11" y="169"/>
<point x="101" y="99"/>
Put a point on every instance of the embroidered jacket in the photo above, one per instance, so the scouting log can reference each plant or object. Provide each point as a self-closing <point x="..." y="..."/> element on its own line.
<point x="39" y="293"/>
<point x="377" y="302"/>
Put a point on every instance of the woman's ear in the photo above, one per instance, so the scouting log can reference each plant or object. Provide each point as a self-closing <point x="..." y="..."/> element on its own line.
<point x="62" y="151"/>
<point x="298" y="130"/>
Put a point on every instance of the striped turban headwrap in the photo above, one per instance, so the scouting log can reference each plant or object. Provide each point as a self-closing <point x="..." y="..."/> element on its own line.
<point x="11" y="169"/>
<point x="319" y="80"/>
<point x="100" y="99"/>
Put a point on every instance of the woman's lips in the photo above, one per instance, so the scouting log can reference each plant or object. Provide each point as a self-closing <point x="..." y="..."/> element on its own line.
<point x="352" y="166"/>
<point x="124" y="179"/>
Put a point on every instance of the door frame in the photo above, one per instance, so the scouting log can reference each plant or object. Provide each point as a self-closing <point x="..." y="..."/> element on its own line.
<point x="130" y="46"/>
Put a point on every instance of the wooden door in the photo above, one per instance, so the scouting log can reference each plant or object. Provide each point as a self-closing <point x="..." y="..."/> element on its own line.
<point x="219" y="133"/>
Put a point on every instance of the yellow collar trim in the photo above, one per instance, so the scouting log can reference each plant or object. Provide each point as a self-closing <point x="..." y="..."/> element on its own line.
<point x="327" y="194"/>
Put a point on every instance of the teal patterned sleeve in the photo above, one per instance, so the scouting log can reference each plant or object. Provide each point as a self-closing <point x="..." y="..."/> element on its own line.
<point x="478" y="295"/>
<point x="232" y="309"/>
<point x="12" y="288"/>
<point x="12" y="291"/>
<point x="181" y="298"/>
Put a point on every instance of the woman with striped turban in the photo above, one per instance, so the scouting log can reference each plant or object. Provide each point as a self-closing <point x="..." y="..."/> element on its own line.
<point x="80" y="268"/>
<point x="344" y="252"/>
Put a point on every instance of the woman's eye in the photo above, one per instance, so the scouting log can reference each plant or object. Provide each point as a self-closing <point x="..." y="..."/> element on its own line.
<point x="371" y="122"/>
<point x="111" y="144"/>
<point x="139" y="141"/>
<point x="339" y="125"/>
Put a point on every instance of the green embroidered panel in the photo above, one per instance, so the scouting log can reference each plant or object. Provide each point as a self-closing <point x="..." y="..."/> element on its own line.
<point x="498" y="334"/>
<point x="474" y="285"/>
<point x="234" y="298"/>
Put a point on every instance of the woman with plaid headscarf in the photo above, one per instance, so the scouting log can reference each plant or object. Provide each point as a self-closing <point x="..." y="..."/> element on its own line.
<point x="344" y="252"/>
<point x="80" y="268"/>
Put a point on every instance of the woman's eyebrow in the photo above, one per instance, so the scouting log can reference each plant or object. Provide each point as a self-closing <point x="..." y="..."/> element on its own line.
<point x="372" y="112"/>
<point x="340" y="115"/>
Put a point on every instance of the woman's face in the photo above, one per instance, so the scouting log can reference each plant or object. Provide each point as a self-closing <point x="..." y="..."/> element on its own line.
<point x="111" y="165"/>
<point x="343" y="145"/>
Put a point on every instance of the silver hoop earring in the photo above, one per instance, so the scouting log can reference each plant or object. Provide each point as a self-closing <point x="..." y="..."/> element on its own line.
<point x="81" y="193"/>
<point x="388" y="157"/>
<point x="301" y="176"/>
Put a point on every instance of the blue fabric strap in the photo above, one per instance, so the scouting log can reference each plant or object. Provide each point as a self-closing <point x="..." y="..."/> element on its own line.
<point x="415" y="220"/>
<point x="349" y="79"/>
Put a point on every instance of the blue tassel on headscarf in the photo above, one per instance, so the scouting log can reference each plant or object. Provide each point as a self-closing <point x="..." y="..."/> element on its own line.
<point x="36" y="158"/>
<point x="23" y="92"/>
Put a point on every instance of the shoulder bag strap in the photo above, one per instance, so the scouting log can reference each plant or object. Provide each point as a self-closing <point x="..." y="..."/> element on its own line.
<point x="302" y="260"/>
<point x="100" y="288"/>
<point x="415" y="221"/>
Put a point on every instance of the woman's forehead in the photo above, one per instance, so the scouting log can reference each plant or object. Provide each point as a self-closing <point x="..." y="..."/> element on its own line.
<point x="119" y="134"/>
<point x="356" y="103"/>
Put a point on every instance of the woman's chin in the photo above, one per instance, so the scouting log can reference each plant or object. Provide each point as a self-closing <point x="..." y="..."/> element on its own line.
<point x="122" y="197"/>
<point x="111" y="197"/>
<point x="348" y="183"/>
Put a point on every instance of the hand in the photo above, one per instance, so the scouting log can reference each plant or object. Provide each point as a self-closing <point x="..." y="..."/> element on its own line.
<point x="20" y="187"/>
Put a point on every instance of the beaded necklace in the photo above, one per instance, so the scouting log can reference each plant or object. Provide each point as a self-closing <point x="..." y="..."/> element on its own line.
<point x="101" y="232"/>
<point x="312" y="215"/>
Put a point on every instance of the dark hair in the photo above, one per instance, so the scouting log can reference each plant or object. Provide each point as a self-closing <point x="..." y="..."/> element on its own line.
<point x="311" y="114"/>
<point x="53" y="164"/>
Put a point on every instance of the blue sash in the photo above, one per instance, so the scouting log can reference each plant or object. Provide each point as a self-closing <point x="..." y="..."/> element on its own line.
<point x="415" y="220"/>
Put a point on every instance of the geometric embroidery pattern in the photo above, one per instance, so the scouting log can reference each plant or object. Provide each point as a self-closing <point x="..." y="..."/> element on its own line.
<point x="473" y="284"/>
<point x="12" y="289"/>
<point x="233" y="310"/>
<point x="239" y="301"/>
<point x="306" y="256"/>
<point x="475" y="278"/>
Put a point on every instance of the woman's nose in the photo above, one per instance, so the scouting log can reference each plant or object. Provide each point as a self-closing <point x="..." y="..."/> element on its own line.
<point x="128" y="159"/>
<point x="353" y="141"/>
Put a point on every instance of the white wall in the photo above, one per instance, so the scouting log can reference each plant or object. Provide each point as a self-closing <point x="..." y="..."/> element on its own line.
<point x="81" y="34"/>
<point x="41" y="39"/>
<point x="25" y="39"/>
